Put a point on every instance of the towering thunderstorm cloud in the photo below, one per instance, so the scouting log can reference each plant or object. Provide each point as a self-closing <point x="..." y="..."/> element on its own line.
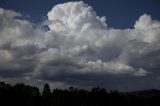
<point x="79" y="50"/>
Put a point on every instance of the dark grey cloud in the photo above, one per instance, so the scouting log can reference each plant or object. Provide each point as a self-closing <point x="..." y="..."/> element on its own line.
<point x="79" y="50"/>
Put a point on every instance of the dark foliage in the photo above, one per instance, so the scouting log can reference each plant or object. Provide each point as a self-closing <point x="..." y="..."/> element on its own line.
<point x="24" y="95"/>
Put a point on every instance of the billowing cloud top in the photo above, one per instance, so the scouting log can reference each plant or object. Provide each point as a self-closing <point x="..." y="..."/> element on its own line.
<point x="79" y="49"/>
<point x="74" y="16"/>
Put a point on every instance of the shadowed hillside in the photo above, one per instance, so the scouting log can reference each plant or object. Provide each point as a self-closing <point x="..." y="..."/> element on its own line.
<point x="24" y="95"/>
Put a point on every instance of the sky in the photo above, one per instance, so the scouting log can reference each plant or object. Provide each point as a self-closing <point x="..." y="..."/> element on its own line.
<point x="108" y="43"/>
<point x="119" y="13"/>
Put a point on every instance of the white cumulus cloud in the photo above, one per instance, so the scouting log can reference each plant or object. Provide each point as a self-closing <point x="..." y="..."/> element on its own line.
<point x="78" y="46"/>
<point x="74" y="16"/>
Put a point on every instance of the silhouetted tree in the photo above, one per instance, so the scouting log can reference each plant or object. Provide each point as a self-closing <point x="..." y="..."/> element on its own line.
<point x="46" y="95"/>
<point x="46" y="90"/>
<point x="25" y="95"/>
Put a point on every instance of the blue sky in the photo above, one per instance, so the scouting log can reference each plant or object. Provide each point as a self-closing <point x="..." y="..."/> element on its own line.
<point x="119" y="13"/>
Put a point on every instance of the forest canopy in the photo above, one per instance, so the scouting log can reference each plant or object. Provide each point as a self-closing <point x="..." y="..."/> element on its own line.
<point x="25" y="95"/>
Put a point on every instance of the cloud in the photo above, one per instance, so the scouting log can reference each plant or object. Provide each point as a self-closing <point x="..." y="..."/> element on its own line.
<point x="79" y="49"/>
<point x="145" y="22"/>
<point x="74" y="16"/>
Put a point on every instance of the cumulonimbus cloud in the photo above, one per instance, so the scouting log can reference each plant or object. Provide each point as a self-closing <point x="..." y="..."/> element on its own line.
<point x="77" y="44"/>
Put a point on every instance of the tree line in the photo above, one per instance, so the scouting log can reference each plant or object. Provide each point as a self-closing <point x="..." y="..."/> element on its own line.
<point x="25" y="95"/>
